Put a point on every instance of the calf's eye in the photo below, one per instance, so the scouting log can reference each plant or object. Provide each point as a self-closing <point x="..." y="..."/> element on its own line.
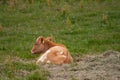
<point x="35" y="44"/>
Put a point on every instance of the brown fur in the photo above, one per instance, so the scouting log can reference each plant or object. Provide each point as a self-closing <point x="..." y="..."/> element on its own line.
<point x="43" y="44"/>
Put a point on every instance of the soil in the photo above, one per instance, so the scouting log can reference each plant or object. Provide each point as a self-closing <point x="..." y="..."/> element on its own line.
<point x="105" y="66"/>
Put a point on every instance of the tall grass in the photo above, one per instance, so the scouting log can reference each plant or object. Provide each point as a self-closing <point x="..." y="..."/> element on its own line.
<point x="84" y="26"/>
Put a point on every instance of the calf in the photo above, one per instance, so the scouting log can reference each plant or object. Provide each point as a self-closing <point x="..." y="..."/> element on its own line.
<point x="52" y="52"/>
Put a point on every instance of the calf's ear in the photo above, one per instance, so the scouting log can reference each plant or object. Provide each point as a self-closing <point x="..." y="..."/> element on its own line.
<point x="40" y="39"/>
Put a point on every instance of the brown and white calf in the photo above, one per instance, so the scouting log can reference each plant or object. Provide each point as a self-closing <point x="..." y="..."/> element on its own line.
<point x="51" y="51"/>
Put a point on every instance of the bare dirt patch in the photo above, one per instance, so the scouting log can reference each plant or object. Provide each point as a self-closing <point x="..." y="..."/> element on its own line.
<point x="96" y="67"/>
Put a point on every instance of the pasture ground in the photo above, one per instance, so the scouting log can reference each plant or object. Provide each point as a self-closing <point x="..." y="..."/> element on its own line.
<point x="96" y="67"/>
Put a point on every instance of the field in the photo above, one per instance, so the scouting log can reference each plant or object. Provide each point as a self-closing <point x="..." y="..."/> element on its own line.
<point x="84" y="26"/>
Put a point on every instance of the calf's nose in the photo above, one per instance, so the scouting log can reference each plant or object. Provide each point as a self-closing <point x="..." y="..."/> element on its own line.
<point x="32" y="52"/>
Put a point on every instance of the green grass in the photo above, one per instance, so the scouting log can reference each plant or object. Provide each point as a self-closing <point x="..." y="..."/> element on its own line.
<point x="84" y="33"/>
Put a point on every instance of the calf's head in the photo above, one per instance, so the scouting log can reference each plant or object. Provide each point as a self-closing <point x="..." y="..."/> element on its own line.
<point x="40" y="45"/>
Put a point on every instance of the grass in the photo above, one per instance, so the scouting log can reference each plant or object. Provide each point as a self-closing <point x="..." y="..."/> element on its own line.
<point x="85" y="27"/>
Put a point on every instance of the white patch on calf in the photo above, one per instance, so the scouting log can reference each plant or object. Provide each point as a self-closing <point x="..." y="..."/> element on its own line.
<point x="64" y="56"/>
<point x="61" y="52"/>
<point x="48" y="61"/>
<point x="43" y="57"/>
